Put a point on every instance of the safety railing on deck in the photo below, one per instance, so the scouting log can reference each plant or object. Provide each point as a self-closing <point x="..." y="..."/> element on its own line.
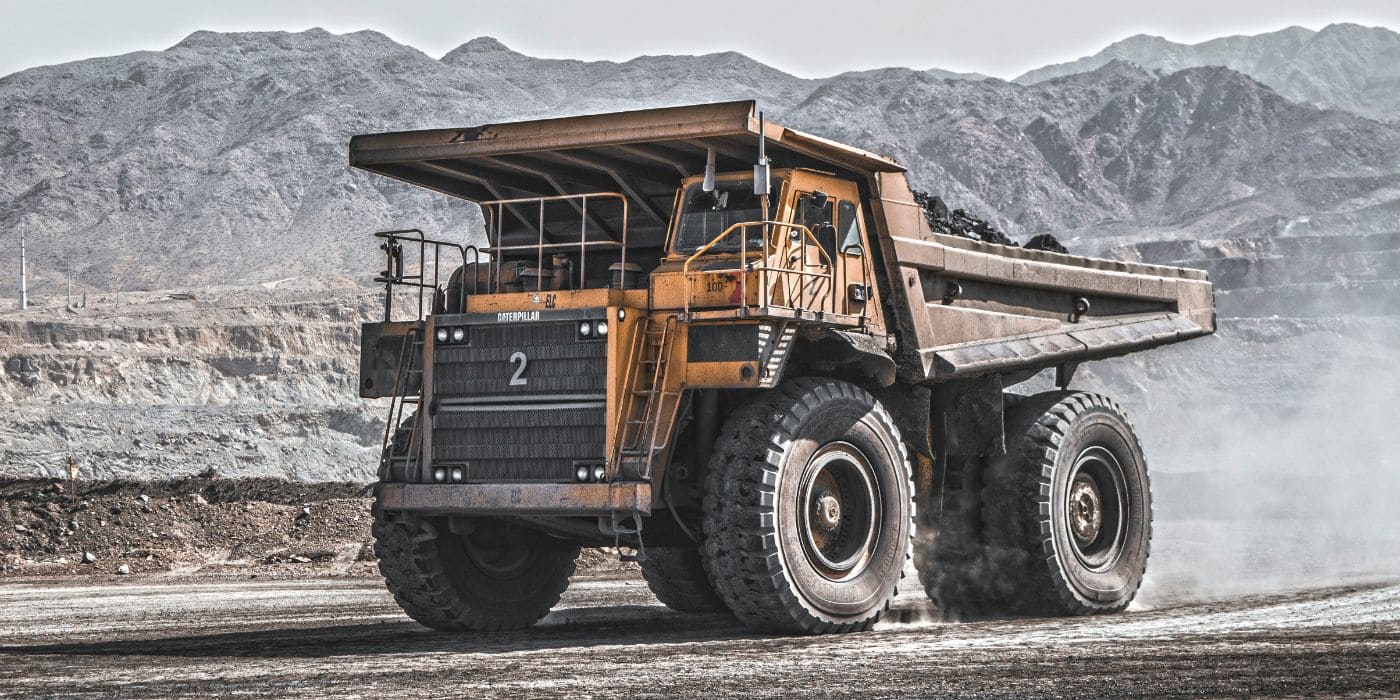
<point x="495" y="211"/>
<point x="426" y="277"/>
<point x="787" y="245"/>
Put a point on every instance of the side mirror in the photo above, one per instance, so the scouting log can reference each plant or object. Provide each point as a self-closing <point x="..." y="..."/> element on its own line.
<point x="819" y="199"/>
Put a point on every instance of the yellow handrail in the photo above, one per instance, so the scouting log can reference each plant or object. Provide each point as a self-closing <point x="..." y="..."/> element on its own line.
<point x="773" y="226"/>
<point x="746" y="224"/>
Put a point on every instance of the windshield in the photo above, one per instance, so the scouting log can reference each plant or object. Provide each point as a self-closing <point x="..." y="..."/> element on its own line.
<point x="705" y="215"/>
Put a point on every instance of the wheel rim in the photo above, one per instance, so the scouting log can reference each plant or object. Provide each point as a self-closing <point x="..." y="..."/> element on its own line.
<point x="496" y="561"/>
<point x="1096" y="508"/>
<point x="839" y="505"/>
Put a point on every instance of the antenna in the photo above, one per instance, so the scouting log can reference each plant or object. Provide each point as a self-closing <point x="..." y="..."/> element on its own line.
<point x="761" y="184"/>
<point x="23" y="273"/>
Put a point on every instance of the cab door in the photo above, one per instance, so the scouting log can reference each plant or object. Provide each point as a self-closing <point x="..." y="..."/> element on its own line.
<point x="836" y="224"/>
<point x="853" y="287"/>
<point x="815" y="211"/>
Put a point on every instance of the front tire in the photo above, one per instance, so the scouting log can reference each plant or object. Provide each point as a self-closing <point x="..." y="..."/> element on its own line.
<point x="484" y="577"/>
<point x="808" y="509"/>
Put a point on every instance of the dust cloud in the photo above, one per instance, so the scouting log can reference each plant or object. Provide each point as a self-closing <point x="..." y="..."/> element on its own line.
<point x="1275" y="455"/>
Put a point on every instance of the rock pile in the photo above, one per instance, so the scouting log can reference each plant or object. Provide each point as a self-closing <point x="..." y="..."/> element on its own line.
<point x="957" y="222"/>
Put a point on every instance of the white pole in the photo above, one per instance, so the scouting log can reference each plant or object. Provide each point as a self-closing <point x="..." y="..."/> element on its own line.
<point x="23" y="269"/>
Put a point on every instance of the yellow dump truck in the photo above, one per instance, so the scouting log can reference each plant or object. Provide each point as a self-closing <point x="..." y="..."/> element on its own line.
<point x="739" y="353"/>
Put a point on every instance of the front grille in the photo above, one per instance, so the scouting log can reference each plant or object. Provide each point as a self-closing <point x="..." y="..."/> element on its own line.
<point x="531" y="442"/>
<point x="537" y="429"/>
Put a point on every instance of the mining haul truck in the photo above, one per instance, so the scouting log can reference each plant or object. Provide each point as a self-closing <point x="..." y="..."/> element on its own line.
<point x="738" y="353"/>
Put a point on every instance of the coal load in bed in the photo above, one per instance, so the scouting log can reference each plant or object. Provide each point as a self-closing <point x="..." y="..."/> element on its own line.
<point x="957" y="222"/>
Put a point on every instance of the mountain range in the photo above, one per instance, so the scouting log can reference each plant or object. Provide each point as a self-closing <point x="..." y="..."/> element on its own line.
<point x="221" y="160"/>
<point x="1342" y="66"/>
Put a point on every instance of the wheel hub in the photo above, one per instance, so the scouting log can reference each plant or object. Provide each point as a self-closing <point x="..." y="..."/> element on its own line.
<point x="495" y="558"/>
<point x="839" y="511"/>
<point x="1096" y="508"/>
<point x="827" y="512"/>
<point x="1085" y="509"/>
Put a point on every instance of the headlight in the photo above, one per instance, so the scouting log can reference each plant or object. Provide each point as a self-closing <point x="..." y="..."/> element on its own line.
<point x="442" y="335"/>
<point x="622" y="314"/>
<point x="599" y="473"/>
<point x="581" y="473"/>
<point x="439" y="474"/>
<point x="459" y="334"/>
<point x="602" y="329"/>
<point x="457" y="474"/>
<point x="585" y="329"/>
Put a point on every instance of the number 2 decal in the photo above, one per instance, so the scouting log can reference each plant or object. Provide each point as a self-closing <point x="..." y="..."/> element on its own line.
<point x="518" y="379"/>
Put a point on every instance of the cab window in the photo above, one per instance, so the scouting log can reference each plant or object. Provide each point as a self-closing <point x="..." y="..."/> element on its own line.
<point x="705" y="215"/>
<point x="848" y="228"/>
<point x="817" y="218"/>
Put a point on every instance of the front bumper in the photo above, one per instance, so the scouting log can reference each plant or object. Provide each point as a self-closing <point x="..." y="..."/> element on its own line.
<point x="517" y="499"/>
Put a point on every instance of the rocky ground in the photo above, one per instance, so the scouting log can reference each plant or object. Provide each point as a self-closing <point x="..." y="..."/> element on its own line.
<point x="264" y="587"/>
<point x="164" y="638"/>
<point x="238" y="527"/>
<point x="201" y="527"/>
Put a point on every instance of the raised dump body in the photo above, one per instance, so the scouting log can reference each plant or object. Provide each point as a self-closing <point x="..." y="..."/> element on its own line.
<point x="740" y="350"/>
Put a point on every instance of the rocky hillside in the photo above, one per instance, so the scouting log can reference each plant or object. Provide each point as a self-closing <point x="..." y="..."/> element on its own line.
<point x="1343" y="66"/>
<point x="222" y="159"/>
<point x="231" y="381"/>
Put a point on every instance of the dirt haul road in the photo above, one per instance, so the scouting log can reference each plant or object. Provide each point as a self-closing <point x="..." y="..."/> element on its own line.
<point x="165" y="637"/>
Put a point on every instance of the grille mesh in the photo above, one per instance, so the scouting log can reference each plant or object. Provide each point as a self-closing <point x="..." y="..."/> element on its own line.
<point x="523" y="443"/>
<point x="556" y="362"/>
<point x="536" y="432"/>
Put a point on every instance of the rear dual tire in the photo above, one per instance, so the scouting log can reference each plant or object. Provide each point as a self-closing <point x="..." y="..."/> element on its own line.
<point x="1059" y="525"/>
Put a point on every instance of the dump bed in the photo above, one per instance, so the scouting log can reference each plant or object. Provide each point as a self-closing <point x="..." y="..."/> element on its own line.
<point x="980" y="307"/>
<point x="958" y="308"/>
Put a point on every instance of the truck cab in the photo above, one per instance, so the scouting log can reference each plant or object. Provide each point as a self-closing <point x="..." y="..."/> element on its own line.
<point x="805" y="259"/>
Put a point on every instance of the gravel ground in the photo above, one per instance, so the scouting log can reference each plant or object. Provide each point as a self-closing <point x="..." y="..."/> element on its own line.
<point x="264" y="587"/>
<point x="197" y="526"/>
<point x="160" y="636"/>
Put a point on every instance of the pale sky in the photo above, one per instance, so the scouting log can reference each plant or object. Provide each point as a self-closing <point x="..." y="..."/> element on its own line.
<point x="815" y="38"/>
